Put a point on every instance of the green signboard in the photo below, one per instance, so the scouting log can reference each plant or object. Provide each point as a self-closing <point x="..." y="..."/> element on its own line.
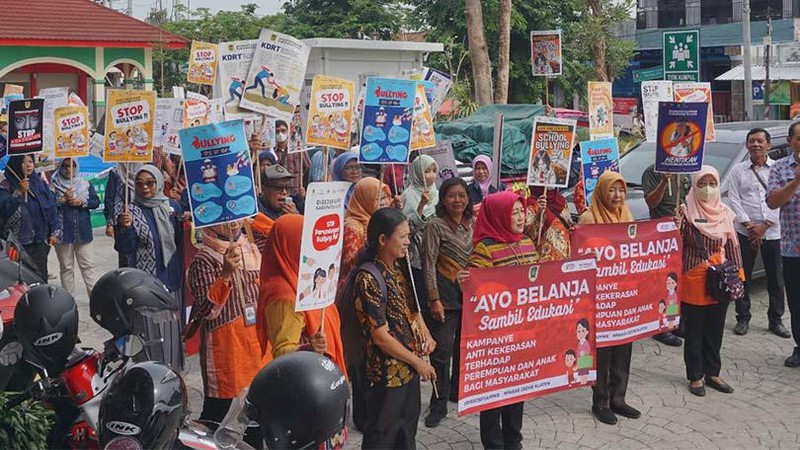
<point x="682" y="55"/>
<point x="651" y="73"/>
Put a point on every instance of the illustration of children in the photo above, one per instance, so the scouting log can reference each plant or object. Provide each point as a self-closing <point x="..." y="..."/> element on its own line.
<point x="585" y="359"/>
<point x="570" y="360"/>
<point x="672" y="298"/>
<point x="112" y="143"/>
<point x="78" y="141"/>
<point x="319" y="286"/>
<point x="681" y="139"/>
<point x="543" y="173"/>
<point x="209" y="172"/>
<point x="235" y="89"/>
<point x="380" y="118"/>
<point x="316" y="127"/>
<point x="662" y="313"/>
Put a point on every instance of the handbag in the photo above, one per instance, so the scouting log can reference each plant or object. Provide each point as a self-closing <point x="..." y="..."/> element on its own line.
<point x="722" y="280"/>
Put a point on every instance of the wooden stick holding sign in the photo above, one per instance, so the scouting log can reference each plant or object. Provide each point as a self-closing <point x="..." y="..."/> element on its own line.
<point x="541" y="220"/>
<point x="237" y="281"/>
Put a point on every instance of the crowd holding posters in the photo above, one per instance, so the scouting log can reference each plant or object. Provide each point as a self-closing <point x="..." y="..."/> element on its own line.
<point x="596" y="158"/>
<point x="681" y="131"/>
<point x="195" y="110"/>
<point x="546" y="52"/>
<point x="442" y="153"/>
<point x="694" y="93"/>
<point x="25" y="122"/>
<point x="551" y="152"/>
<point x="330" y="112"/>
<point x="386" y="125"/>
<point x="321" y="250"/>
<point x="202" y="63"/>
<point x="601" y="110"/>
<point x="442" y="82"/>
<point x="234" y="63"/>
<point x="422" y="124"/>
<point x="219" y="173"/>
<point x="130" y="118"/>
<point x="276" y="76"/>
<point x="528" y="335"/>
<point x="637" y="277"/>
<point x="71" y="132"/>
<point x="654" y="92"/>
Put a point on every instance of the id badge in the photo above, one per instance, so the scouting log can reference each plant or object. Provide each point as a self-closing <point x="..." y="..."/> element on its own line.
<point x="249" y="315"/>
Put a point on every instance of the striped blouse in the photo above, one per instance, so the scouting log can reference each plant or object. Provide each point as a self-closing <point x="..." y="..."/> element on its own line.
<point x="489" y="253"/>
<point x="693" y="256"/>
<point x="446" y="250"/>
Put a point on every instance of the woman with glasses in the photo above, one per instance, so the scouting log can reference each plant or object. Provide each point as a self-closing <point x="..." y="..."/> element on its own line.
<point x="347" y="168"/>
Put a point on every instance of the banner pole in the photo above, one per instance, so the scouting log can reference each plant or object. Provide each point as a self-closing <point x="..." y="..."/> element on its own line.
<point x="419" y="310"/>
<point x="541" y="220"/>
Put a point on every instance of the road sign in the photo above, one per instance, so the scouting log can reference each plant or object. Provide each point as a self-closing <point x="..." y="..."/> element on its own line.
<point x="651" y="73"/>
<point x="682" y="55"/>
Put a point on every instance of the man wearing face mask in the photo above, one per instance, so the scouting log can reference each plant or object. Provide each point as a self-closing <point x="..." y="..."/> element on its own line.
<point x="295" y="163"/>
<point x="757" y="228"/>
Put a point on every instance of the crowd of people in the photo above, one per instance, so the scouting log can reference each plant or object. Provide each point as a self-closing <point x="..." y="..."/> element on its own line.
<point x="407" y="247"/>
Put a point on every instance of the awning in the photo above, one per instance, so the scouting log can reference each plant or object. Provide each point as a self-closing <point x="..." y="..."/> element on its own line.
<point x="776" y="73"/>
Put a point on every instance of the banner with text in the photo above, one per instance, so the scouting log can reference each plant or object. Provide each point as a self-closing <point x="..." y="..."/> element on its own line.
<point x="234" y="63"/>
<point x="442" y="82"/>
<point x="551" y="152"/>
<point x="422" y="124"/>
<point x="546" y="52"/>
<point x="654" y="92"/>
<point x="597" y="157"/>
<point x="442" y="153"/>
<point x="681" y="130"/>
<point x="202" y="63"/>
<point x="601" y="110"/>
<point x="130" y="119"/>
<point x="386" y="124"/>
<point x="72" y="132"/>
<point x="330" y="112"/>
<point x="25" y="126"/>
<point x="698" y="93"/>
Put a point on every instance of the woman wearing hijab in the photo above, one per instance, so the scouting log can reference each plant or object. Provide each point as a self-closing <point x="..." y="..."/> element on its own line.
<point x="550" y="213"/>
<point x="120" y="177"/>
<point x="613" y="363"/>
<point x="499" y="241"/>
<point x="419" y="205"/>
<point x="33" y="218"/>
<point x="75" y="198"/>
<point x="482" y="180"/>
<point x="704" y="218"/>
<point x="347" y="168"/>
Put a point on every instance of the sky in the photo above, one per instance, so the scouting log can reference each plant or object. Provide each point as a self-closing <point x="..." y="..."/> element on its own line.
<point x="142" y="7"/>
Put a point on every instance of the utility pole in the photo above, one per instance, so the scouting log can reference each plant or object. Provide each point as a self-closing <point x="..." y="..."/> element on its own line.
<point x="746" y="61"/>
<point x="767" y="45"/>
<point x="130" y="7"/>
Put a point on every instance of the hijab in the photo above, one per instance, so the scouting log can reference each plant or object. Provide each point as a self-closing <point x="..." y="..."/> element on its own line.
<point x="601" y="210"/>
<point x="717" y="218"/>
<point x="416" y="186"/>
<point x="36" y="185"/>
<point x="489" y="166"/>
<point x="494" y="218"/>
<point x="160" y="206"/>
<point x="340" y="162"/>
<point x="364" y="201"/>
<point x="79" y="186"/>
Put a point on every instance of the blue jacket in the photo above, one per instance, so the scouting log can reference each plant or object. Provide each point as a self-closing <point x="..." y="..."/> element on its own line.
<point x="38" y="216"/>
<point x="76" y="220"/>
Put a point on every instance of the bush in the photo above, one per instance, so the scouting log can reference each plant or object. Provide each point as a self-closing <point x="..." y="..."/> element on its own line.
<point x="24" y="427"/>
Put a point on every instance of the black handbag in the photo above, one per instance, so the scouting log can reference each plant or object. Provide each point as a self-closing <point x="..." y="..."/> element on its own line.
<point x="722" y="280"/>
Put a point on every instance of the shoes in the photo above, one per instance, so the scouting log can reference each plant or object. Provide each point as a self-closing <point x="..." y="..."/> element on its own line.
<point x="741" y="328"/>
<point x="668" y="339"/>
<point x="433" y="419"/>
<point x="453" y="396"/>
<point x="779" y="330"/>
<point x="680" y="331"/>
<point x="605" y="415"/>
<point x="793" y="361"/>
<point x="699" y="391"/>
<point x="720" y="385"/>
<point x="626" y="410"/>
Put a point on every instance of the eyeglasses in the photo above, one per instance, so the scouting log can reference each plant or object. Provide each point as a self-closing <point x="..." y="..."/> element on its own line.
<point x="353" y="169"/>
<point x="280" y="188"/>
<point x="148" y="183"/>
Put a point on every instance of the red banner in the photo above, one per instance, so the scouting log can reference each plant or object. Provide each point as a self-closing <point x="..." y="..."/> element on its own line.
<point x="528" y="335"/>
<point x="638" y="267"/>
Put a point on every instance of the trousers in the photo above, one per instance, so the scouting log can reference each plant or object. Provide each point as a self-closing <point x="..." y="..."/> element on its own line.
<point x="704" y="329"/>
<point x="791" y="269"/>
<point x="447" y="335"/>
<point x="67" y="255"/>
<point x="613" y="370"/>
<point x="501" y="428"/>
<point x="393" y="416"/>
<point x="773" y="267"/>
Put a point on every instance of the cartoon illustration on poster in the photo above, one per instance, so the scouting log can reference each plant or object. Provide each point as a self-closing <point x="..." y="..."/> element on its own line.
<point x="331" y="111"/>
<point x="527" y="331"/>
<point x="130" y="118"/>
<point x="386" y="126"/>
<point x="195" y="110"/>
<point x="551" y="152"/>
<point x="422" y="125"/>
<point x="71" y="132"/>
<point x="219" y="173"/>
<point x="601" y="110"/>
<point x="171" y="142"/>
<point x="321" y="250"/>
<point x="596" y="158"/>
<point x="442" y="153"/>
<point x="234" y="63"/>
<point x="202" y="63"/>
<point x="25" y="124"/>
<point x="56" y="97"/>
<point x="681" y="129"/>
<point x="654" y="92"/>
<point x="276" y="76"/>
<point x="296" y="137"/>
<point x="546" y="52"/>
<point x="442" y="82"/>
<point x="698" y="92"/>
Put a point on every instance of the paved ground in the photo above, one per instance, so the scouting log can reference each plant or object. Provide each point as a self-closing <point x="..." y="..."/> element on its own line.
<point x="764" y="412"/>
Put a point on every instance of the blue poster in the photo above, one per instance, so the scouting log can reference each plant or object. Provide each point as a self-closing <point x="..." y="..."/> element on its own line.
<point x="596" y="158"/>
<point x="386" y="126"/>
<point x="681" y="137"/>
<point x="219" y="173"/>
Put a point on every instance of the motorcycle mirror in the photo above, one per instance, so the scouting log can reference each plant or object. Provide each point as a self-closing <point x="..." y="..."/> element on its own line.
<point x="130" y="345"/>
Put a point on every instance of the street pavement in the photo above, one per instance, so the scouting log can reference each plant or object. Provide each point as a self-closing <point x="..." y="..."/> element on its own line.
<point x="764" y="412"/>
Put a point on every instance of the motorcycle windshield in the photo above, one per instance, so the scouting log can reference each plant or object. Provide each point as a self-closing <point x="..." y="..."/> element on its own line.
<point x="231" y="431"/>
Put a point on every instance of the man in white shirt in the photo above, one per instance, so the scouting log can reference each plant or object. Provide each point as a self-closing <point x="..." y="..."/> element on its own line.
<point x="758" y="228"/>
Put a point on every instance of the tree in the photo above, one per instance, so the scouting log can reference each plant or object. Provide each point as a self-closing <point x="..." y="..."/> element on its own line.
<point x="355" y="19"/>
<point x="479" y="54"/>
<point x="503" y="52"/>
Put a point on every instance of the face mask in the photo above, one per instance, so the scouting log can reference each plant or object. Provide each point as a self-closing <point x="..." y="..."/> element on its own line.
<point x="282" y="137"/>
<point x="707" y="193"/>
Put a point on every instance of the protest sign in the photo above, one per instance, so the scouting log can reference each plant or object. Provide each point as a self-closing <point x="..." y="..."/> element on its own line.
<point x="386" y="125"/>
<point x="130" y="118"/>
<point x="442" y="82"/>
<point x="654" y="92"/>
<point x="195" y="110"/>
<point x="637" y="277"/>
<point x="422" y="123"/>
<point x="171" y="142"/>
<point x="54" y="98"/>
<point x="546" y="52"/>
<point x="681" y="130"/>
<point x="75" y="100"/>
<point x="219" y="173"/>
<point x="25" y="124"/>
<point x="330" y="112"/>
<point x="321" y="250"/>
<point x="164" y="112"/>
<point x="442" y="153"/>
<point x="10" y="89"/>
<point x="276" y="76"/>
<point x="71" y="132"/>
<point x="596" y="158"/>
<point x="202" y="63"/>
<point x="234" y="63"/>
<point x="216" y="110"/>
<point x="10" y="98"/>
<point x="296" y="136"/>
<point x="625" y="110"/>
<point x="551" y="151"/>
<point x="601" y="110"/>
<point x="526" y="331"/>
<point x="698" y="92"/>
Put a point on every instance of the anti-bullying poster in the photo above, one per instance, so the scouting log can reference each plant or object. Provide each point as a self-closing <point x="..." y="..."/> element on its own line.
<point x="234" y="63"/>
<point x="654" y="92"/>
<point x="681" y="131"/>
<point x="546" y="52"/>
<point x="171" y="141"/>
<point x="219" y="173"/>
<point x="597" y="157"/>
<point x="130" y="119"/>
<point x="276" y="76"/>
<point x="442" y="153"/>
<point x="386" y="124"/>
<point x="54" y="98"/>
<point x="71" y="132"/>
<point x="25" y="123"/>
<point x="601" y="110"/>
<point x="551" y="152"/>
<point x="330" y="112"/>
<point x="442" y="82"/>
<point x="526" y="331"/>
<point x="696" y="93"/>
<point x="321" y="250"/>
<point x="164" y="113"/>
<point x="195" y="110"/>
<point x="637" y="277"/>
<point x="202" y="63"/>
<point x="422" y="124"/>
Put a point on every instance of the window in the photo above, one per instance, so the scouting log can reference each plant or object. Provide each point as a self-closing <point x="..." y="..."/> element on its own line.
<point x="714" y="12"/>
<point x="761" y="9"/>
<point x="671" y="13"/>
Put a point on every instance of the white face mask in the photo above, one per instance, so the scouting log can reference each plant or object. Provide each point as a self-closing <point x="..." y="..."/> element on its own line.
<point x="281" y="137"/>
<point x="707" y="193"/>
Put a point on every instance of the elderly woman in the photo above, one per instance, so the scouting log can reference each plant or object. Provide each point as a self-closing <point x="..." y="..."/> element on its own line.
<point x="483" y="183"/>
<point x="347" y="168"/>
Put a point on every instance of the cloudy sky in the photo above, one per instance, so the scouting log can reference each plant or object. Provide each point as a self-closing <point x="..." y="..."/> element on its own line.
<point x="142" y="7"/>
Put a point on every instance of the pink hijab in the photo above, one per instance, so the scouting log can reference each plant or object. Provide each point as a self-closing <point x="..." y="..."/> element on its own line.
<point x="489" y="166"/>
<point x="716" y="218"/>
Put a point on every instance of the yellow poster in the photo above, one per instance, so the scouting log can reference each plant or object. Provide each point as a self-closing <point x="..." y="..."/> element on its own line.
<point x="601" y="110"/>
<point x="330" y="112"/>
<point x="129" y="126"/>
<point x="72" y="132"/>
<point x="422" y="125"/>
<point x="202" y="63"/>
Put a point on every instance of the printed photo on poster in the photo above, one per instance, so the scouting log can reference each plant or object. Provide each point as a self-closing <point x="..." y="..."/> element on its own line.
<point x="601" y="110"/>
<point x="321" y="250"/>
<point x="219" y="173"/>
<point x="681" y="130"/>
<point x="551" y="152"/>
<point x="442" y="82"/>
<point x="698" y="93"/>
<point x="71" y="132"/>
<point x="202" y="63"/>
<point x="596" y="158"/>
<point x="130" y="119"/>
<point x="654" y="92"/>
<point x="386" y="125"/>
<point x="330" y="112"/>
<point x="422" y="135"/>
<point x="546" y="52"/>
<point x="234" y="63"/>
<point x="442" y="153"/>
<point x="25" y="126"/>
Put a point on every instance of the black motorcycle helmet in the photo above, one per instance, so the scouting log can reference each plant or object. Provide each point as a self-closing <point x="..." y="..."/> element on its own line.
<point x="122" y="294"/>
<point x="300" y="400"/>
<point x="46" y="321"/>
<point x="145" y="405"/>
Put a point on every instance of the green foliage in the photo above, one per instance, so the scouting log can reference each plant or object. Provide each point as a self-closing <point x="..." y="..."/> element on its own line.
<point x="355" y="19"/>
<point x="24" y="427"/>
